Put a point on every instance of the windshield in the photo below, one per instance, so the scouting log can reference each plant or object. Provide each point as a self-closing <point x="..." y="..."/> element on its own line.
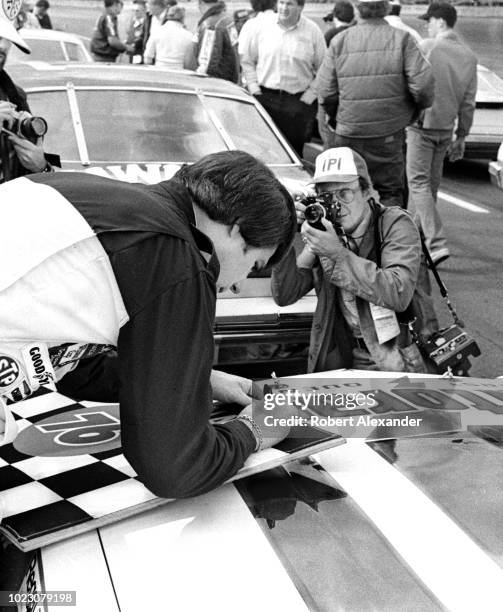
<point x="155" y="126"/>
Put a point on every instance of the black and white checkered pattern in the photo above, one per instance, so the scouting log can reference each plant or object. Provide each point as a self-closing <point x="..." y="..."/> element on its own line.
<point x="44" y="499"/>
<point x="39" y="495"/>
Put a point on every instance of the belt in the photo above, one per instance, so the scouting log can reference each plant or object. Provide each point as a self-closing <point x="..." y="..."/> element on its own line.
<point x="280" y="92"/>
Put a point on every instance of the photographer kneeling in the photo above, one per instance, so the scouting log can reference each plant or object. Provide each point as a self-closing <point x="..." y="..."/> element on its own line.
<point x="21" y="150"/>
<point x="363" y="261"/>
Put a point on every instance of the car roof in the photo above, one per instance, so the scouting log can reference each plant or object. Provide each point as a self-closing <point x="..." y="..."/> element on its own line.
<point x="43" y="34"/>
<point x="40" y="75"/>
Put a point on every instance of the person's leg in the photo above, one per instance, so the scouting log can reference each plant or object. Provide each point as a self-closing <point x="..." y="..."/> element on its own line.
<point x="386" y="164"/>
<point x="421" y="153"/>
<point x="283" y="115"/>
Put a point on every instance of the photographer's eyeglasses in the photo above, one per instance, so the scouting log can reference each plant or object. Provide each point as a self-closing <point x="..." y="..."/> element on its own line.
<point x="345" y="195"/>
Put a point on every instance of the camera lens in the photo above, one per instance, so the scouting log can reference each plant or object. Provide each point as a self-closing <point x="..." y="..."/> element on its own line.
<point x="33" y="127"/>
<point x="313" y="213"/>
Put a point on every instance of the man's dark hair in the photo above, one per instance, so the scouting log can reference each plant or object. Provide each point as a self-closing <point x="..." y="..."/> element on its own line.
<point x="394" y="9"/>
<point x="259" y="6"/>
<point x="344" y="11"/>
<point x="300" y="2"/>
<point x="43" y="4"/>
<point x="373" y="10"/>
<point x="234" y="187"/>
<point x="109" y="3"/>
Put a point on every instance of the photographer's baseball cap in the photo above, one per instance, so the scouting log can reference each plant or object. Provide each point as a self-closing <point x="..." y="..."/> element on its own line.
<point x="441" y="10"/>
<point x="9" y="32"/>
<point x="339" y="165"/>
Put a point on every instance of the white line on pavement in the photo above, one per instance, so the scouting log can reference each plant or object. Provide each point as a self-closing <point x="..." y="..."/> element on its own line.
<point x="462" y="203"/>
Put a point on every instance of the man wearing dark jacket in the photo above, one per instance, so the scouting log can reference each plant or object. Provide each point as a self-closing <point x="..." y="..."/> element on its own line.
<point x="215" y="42"/>
<point x="136" y="268"/>
<point x="374" y="82"/>
<point x="106" y="46"/>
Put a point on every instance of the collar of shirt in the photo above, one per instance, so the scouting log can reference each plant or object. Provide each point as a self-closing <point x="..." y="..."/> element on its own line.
<point x="288" y="28"/>
<point x="202" y="242"/>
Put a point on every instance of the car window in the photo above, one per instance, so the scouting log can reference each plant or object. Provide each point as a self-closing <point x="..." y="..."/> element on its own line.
<point x="53" y="107"/>
<point x="75" y="52"/>
<point x="146" y="126"/>
<point x="46" y="51"/>
<point x="249" y="130"/>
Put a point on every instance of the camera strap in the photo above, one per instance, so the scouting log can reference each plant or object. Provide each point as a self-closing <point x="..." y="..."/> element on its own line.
<point x="407" y="316"/>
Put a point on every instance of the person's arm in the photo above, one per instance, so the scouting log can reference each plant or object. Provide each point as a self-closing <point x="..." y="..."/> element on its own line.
<point x="391" y="285"/>
<point x="291" y="279"/>
<point x="165" y="360"/>
<point x="150" y="50"/>
<point x="327" y="83"/>
<point x="467" y="106"/>
<point x="418" y="73"/>
<point x="311" y="93"/>
<point x="248" y="53"/>
<point x="112" y="36"/>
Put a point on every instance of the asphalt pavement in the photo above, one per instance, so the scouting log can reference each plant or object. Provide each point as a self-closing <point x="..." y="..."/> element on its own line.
<point x="473" y="274"/>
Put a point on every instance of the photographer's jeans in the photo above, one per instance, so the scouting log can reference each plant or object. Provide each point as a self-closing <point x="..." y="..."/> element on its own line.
<point x="426" y="150"/>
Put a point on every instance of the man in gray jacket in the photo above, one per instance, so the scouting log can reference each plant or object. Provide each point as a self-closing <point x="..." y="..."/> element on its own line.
<point x="431" y="137"/>
<point x="374" y="82"/>
<point x="364" y="266"/>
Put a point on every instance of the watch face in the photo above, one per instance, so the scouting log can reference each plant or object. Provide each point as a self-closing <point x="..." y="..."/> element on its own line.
<point x="11" y="8"/>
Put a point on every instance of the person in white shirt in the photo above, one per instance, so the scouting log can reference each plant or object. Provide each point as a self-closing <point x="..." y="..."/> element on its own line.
<point x="171" y="45"/>
<point x="280" y="58"/>
<point x="395" y="20"/>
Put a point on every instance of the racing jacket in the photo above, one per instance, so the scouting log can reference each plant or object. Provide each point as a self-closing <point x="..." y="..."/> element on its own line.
<point x="216" y="44"/>
<point x="374" y="80"/>
<point x="118" y="265"/>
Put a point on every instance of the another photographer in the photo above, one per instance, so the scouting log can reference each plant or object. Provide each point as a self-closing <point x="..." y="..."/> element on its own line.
<point x="21" y="149"/>
<point x="363" y="263"/>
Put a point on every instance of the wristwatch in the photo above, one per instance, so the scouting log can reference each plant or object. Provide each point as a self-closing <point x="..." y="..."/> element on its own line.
<point x="48" y="168"/>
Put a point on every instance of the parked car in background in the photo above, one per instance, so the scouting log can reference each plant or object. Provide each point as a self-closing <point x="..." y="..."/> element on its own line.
<point x="486" y="134"/>
<point x="496" y="171"/>
<point x="139" y="124"/>
<point x="51" y="46"/>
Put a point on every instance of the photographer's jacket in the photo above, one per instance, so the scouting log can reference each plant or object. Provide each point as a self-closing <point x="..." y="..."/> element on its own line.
<point x="96" y="264"/>
<point x="391" y="285"/>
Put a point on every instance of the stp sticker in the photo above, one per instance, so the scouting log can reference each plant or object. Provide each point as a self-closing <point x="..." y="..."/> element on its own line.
<point x="10" y="371"/>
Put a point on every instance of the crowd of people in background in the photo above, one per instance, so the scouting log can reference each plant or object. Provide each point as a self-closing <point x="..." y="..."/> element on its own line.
<point x="398" y="108"/>
<point x="338" y="83"/>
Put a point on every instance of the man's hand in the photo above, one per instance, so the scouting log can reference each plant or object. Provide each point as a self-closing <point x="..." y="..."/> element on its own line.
<point x="30" y="155"/>
<point x="272" y="433"/>
<point x="8" y="113"/>
<point x="323" y="244"/>
<point x="456" y="149"/>
<point x="231" y="389"/>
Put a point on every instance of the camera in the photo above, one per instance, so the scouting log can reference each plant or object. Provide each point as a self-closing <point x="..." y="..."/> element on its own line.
<point x="30" y="128"/>
<point x="26" y="126"/>
<point x="449" y="348"/>
<point x="319" y="207"/>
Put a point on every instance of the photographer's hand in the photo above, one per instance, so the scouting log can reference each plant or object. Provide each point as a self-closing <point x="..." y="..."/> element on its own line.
<point x="7" y="113"/>
<point x="323" y="244"/>
<point x="30" y="155"/>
